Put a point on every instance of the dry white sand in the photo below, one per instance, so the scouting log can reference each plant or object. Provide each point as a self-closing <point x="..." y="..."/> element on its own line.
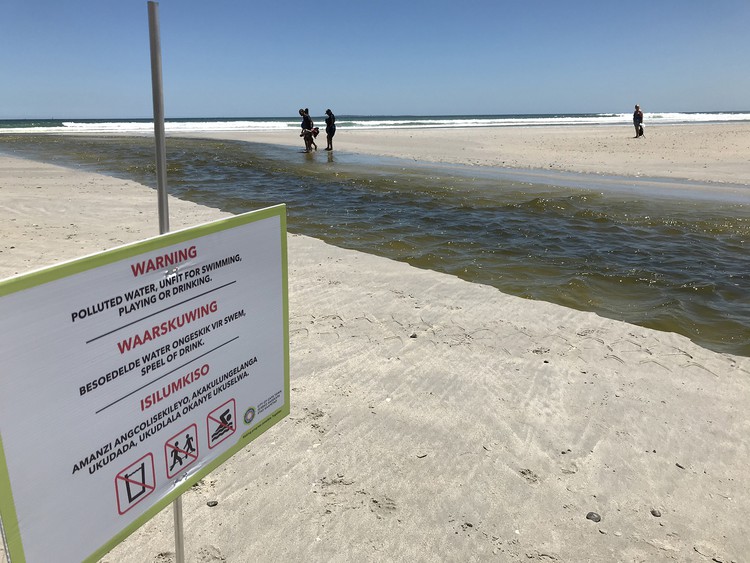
<point x="437" y="420"/>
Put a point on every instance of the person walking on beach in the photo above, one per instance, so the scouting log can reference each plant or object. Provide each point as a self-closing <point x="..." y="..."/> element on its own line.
<point x="330" y="129"/>
<point x="307" y="130"/>
<point x="638" y="121"/>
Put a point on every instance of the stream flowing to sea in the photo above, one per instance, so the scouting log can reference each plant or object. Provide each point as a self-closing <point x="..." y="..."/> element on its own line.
<point x="650" y="252"/>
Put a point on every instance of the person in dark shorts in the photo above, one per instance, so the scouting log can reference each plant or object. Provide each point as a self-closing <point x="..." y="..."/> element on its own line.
<point x="638" y="121"/>
<point x="330" y="129"/>
<point x="307" y="130"/>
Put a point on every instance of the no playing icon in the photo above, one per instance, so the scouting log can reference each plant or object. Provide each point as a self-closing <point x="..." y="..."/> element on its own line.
<point x="135" y="483"/>
<point x="181" y="450"/>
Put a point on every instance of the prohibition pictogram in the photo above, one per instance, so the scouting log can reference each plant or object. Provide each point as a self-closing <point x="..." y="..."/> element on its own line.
<point x="135" y="483"/>
<point x="220" y="423"/>
<point x="181" y="450"/>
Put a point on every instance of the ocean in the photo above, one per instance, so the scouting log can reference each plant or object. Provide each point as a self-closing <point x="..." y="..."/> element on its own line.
<point x="196" y="125"/>
<point x="674" y="260"/>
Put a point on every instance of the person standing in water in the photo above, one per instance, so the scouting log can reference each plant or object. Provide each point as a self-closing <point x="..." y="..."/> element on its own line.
<point x="307" y="125"/>
<point x="638" y="121"/>
<point x="330" y="129"/>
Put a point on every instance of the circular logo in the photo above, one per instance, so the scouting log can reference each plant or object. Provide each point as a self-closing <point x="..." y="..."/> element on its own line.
<point x="249" y="415"/>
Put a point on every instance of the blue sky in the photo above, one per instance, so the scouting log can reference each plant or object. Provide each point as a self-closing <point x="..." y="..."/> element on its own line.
<point x="255" y="58"/>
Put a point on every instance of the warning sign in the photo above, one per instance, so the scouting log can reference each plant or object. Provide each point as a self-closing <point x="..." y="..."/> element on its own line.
<point x="181" y="450"/>
<point x="147" y="350"/>
<point x="221" y="423"/>
<point x="134" y="483"/>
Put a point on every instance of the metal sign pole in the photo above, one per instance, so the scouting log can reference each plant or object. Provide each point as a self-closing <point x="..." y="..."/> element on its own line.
<point x="161" y="149"/>
<point x="179" y="540"/>
<point x="5" y="543"/>
<point x="161" y="190"/>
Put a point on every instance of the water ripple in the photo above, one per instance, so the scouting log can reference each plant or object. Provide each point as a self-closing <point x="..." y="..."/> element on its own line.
<point x="666" y="262"/>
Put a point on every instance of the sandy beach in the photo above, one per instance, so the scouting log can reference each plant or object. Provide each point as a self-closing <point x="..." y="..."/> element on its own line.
<point x="434" y="419"/>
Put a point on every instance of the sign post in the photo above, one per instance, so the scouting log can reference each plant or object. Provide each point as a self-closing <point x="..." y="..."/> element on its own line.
<point x="129" y="375"/>
<point x="161" y="190"/>
<point x="158" y="99"/>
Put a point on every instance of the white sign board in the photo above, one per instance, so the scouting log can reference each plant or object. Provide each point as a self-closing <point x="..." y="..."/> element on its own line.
<point x="128" y="375"/>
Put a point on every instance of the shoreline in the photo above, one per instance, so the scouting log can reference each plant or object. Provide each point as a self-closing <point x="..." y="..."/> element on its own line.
<point x="704" y="152"/>
<point x="708" y="152"/>
<point x="433" y="417"/>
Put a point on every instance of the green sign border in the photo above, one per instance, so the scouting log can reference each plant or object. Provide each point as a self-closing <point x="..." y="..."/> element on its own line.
<point x="25" y="281"/>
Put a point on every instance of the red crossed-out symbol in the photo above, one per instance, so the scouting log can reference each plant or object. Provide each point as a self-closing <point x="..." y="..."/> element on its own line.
<point x="135" y="483"/>
<point x="181" y="450"/>
<point x="221" y="423"/>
